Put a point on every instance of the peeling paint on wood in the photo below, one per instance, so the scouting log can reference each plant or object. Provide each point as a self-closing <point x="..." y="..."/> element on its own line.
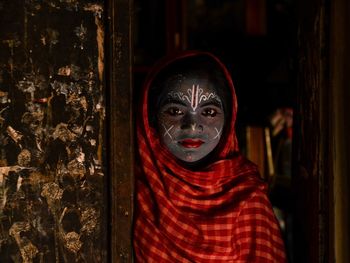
<point x="52" y="115"/>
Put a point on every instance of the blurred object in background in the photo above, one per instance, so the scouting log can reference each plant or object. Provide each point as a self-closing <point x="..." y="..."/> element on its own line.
<point x="281" y="122"/>
<point x="282" y="132"/>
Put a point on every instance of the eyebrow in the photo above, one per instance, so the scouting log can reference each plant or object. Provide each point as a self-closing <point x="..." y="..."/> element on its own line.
<point x="212" y="102"/>
<point x="172" y="100"/>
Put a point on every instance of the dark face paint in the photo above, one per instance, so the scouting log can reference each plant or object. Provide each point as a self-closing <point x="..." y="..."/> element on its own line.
<point x="190" y="119"/>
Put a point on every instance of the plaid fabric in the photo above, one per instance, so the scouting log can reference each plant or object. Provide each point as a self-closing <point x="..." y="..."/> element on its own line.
<point x="217" y="214"/>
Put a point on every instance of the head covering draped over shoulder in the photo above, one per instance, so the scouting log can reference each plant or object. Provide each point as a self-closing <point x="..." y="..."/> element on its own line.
<point x="209" y="214"/>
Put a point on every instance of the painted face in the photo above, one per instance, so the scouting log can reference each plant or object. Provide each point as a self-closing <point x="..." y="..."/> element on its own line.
<point x="190" y="119"/>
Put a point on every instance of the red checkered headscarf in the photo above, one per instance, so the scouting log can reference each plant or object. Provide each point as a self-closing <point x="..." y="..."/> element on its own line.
<point x="218" y="213"/>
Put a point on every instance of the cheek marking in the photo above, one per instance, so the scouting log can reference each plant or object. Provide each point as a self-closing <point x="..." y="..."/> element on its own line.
<point x="218" y="133"/>
<point x="167" y="131"/>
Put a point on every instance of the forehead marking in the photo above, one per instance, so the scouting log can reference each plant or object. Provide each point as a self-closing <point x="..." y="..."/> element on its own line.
<point x="194" y="96"/>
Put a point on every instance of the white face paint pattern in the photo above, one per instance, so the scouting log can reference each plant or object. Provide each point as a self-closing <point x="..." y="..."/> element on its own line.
<point x="194" y="96"/>
<point x="168" y="130"/>
<point x="217" y="136"/>
<point x="191" y="119"/>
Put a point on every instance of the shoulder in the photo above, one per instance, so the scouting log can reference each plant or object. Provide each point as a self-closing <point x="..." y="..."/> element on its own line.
<point x="257" y="234"/>
<point x="257" y="208"/>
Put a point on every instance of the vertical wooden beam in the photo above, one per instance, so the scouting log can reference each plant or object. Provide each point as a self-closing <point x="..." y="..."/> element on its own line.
<point x="121" y="153"/>
<point x="312" y="177"/>
<point x="340" y="68"/>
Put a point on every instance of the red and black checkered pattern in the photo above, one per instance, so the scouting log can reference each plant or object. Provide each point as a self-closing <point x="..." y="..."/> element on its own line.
<point x="216" y="214"/>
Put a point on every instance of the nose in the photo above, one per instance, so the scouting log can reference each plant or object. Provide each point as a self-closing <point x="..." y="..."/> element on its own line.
<point x="191" y="122"/>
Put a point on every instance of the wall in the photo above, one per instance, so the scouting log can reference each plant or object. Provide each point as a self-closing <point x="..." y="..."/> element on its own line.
<point x="52" y="162"/>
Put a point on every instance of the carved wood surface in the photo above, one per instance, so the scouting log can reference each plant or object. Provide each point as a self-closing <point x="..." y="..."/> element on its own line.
<point x="52" y="113"/>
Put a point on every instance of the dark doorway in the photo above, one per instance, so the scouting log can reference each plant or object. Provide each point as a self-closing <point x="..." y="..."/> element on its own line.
<point x="257" y="41"/>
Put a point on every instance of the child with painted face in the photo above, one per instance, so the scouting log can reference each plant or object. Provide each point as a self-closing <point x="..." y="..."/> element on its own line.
<point x="197" y="198"/>
<point x="190" y="114"/>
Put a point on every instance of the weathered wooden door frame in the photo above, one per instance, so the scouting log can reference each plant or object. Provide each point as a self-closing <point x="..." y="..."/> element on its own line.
<point x="120" y="128"/>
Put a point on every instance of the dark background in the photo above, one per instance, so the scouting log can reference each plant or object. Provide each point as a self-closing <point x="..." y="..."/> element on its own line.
<point x="259" y="54"/>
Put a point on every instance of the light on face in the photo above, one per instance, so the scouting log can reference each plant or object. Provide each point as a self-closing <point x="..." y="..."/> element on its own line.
<point x="191" y="119"/>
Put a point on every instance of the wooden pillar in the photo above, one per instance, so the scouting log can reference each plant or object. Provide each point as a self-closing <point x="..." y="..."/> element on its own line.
<point x="121" y="129"/>
<point x="313" y="137"/>
<point x="340" y="108"/>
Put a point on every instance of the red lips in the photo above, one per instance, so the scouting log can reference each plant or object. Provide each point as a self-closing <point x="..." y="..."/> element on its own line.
<point x="191" y="143"/>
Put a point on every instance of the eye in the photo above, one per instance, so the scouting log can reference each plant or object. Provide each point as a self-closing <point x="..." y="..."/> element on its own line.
<point x="174" y="111"/>
<point x="209" y="112"/>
